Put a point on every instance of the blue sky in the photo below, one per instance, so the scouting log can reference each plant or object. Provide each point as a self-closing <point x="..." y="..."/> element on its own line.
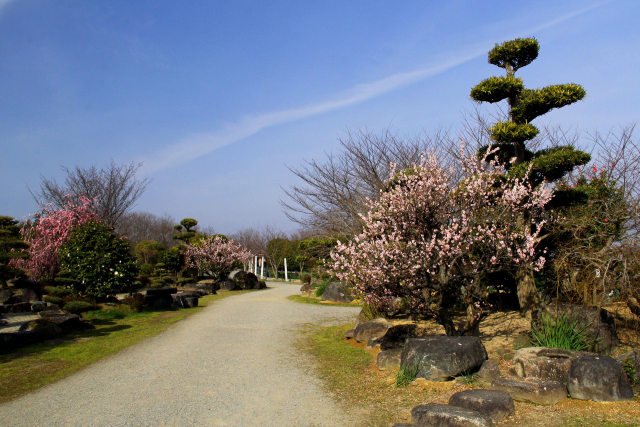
<point x="218" y="98"/>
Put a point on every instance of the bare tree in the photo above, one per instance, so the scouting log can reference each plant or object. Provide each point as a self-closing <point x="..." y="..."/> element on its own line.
<point x="113" y="189"/>
<point x="141" y="226"/>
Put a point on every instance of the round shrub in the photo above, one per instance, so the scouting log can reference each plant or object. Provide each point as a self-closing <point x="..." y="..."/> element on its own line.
<point x="305" y="278"/>
<point x="98" y="259"/>
<point x="77" y="307"/>
<point x="146" y="269"/>
<point x="52" y="299"/>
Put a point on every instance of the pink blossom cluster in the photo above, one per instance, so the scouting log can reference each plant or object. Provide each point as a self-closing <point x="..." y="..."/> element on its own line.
<point x="431" y="234"/>
<point x="47" y="231"/>
<point x="216" y="255"/>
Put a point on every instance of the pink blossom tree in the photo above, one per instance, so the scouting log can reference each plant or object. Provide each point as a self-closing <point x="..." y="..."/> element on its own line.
<point x="433" y="236"/>
<point x="215" y="255"/>
<point x="47" y="232"/>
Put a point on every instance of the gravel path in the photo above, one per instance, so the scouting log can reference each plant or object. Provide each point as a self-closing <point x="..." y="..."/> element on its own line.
<point x="232" y="364"/>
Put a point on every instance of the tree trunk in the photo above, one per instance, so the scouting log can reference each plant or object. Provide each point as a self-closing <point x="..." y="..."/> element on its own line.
<point x="527" y="292"/>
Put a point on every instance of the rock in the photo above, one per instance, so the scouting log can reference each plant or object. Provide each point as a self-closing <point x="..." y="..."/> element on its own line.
<point x="66" y="322"/>
<point x="20" y="307"/>
<point x="159" y="298"/>
<point x="493" y="404"/>
<point x="441" y="357"/>
<point x="602" y="328"/>
<point x="434" y="414"/>
<point x="262" y="284"/>
<point x="389" y="359"/>
<point x="337" y="292"/>
<point x="540" y="392"/>
<point x="28" y="295"/>
<point x="371" y="330"/>
<point x="228" y="285"/>
<point x="38" y="306"/>
<point x="5" y="295"/>
<point x="402" y="425"/>
<point x="545" y="363"/>
<point x="599" y="378"/>
<point x="245" y="280"/>
<point x="394" y="337"/>
<point x="488" y="372"/>
<point x="307" y="290"/>
<point x="209" y="288"/>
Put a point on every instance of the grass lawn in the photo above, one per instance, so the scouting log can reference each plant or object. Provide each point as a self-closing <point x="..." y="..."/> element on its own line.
<point x="349" y="372"/>
<point x="309" y="300"/>
<point x="37" y="365"/>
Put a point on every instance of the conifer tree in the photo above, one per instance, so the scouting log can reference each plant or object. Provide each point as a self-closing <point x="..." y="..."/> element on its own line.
<point x="511" y="136"/>
<point x="11" y="245"/>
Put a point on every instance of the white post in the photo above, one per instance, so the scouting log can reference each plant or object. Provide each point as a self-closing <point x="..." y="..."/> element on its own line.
<point x="262" y="268"/>
<point x="286" y="277"/>
<point x="255" y="265"/>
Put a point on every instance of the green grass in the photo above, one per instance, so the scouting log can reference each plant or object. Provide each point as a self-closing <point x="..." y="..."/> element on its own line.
<point x="563" y="332"/>
<point x="37" y="365"/>
<point x="308" y="300"/>
<point x="405" y="376"/>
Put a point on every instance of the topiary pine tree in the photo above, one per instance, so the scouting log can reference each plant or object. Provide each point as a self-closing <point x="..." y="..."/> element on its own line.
<point x="10" y="248"/>
<point x="187" y="224"/>
<point x="511" y="136"/>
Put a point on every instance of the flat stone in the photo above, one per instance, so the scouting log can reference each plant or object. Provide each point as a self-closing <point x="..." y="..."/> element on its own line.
<point x="371" y="330"/>
<point x="337" y="292"/>
<point x="389" y="359"/>
<point x="441" y="357"/>
<point x="545" y="363"/>
<point x="489" y="371"/>
<point x="434" y="414"/>
<point x="599" y="378"/>
<point x="493" y="404"/>
<point x="540" y="392"/>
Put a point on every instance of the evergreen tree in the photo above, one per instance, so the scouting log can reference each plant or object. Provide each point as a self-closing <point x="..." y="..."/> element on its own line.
<point x="185" y="229"/>
<point x="10" y="248"/>
<point x="511" y="136"/>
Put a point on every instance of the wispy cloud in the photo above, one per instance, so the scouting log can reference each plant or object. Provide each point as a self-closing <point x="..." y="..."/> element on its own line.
<point x="197" y="145"/>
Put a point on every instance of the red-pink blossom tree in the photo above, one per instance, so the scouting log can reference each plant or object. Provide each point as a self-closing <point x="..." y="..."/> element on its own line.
<point x="431" y="239"/>
<point x="216" y="255"/>
<point x="49" y="230"/>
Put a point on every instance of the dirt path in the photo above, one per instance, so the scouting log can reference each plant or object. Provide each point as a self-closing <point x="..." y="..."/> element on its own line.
<point x="230" y="364"/>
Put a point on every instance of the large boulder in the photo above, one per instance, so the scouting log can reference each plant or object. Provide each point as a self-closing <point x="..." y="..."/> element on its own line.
<point x="540" y="392"/>
<point x="159" y="298"/>
<point x="337" y="292"/>
<point x="229" y="285"/>
<point x="600" y="324"/>
<point x="599" y="378"/>
<point x="394" y="337"/>
<point x="441" y="357"/>
<point x="370" y="330"/>
<point x="493" y="404"/>
<point x="434" y="414"/>
<point x="389" y="359"/>
<point x="545" y="363"/>
<point x="245" y="280"/>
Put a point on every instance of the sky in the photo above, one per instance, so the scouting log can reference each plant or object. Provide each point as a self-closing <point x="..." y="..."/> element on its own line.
<point x="218" y="99"/>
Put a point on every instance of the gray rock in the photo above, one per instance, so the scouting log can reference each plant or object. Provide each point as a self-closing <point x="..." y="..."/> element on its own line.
<point x="337" y="292"/>
<point x="441" y="357"/>
<point x="437" y="415"/>
<point x="394" y="337"/>
<point x="245" y="280"/>
<point x="493" y="404"/>
<point x="488" y="372"/>
<point x="545" y="363"/>
<point x="159" y="298"/>
<point x="38" y="306"/>
<point x="389" y="359"/>
<point x="371" y="330"/>
<point x="5" y="295"/>
<point x="540" y="392"/>
<point x="229" y="285"/>
<point x="599" y="378"/>
<point x="20" y="307"/>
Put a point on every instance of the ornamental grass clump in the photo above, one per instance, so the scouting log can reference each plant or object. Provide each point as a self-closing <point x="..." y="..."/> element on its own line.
<point x="564" y="332"/>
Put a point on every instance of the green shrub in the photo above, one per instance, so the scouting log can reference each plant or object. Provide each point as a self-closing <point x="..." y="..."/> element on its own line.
<point x="370" y="312"/>
<point x="563" y="332"/>
<point x="406" y="375"/>
<point x="58" y="291"/>
<point x="77" y="307"/>
<point x="185" y="281"/>
<point x="135" y="302"/>
<point x="52" y="299"/>
<point x="146" y="270"/>
<point x="630" y="369"/>
<point x="321" y="287"/>
<point x="98" y="259"/>
<point x="305" y="278"/>
<point x="167" y="280"/>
